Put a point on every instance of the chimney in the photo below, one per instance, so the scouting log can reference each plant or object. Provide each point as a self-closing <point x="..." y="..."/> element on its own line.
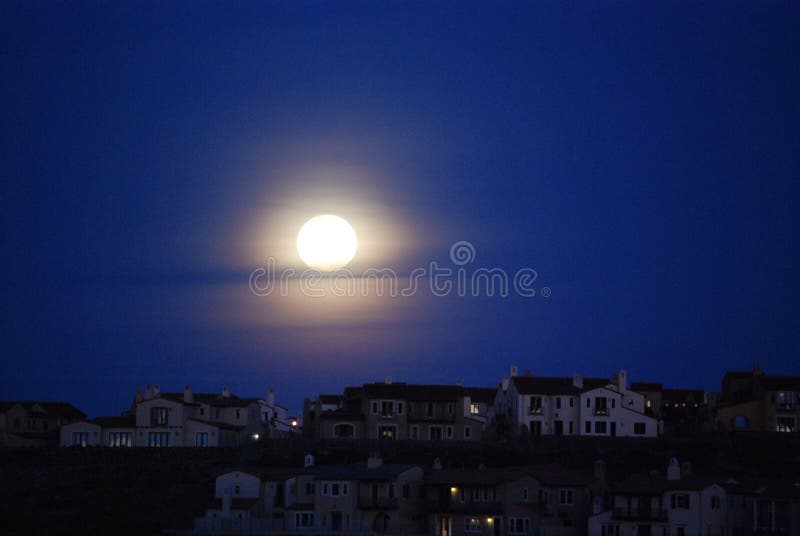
<point x="686" y="469"/>
<point x="226" y="393"/>
<point x="459" y="383"/>
<point x="156" y="390"/>
<point x="673" y="469"/>
<point x="577" y="381"/>
<point x="526" y="373"/>
<point x="138" y="396"/>
<point x="271" y="397"/>
<point x="148" y="392"/>
<point x="388" y="380"/>
<point x="188" y="395"/>
<point x="504" y="384"/>
<point x="757" y="370"/>
<point x="374" y="461"/>
<point x="621" y="380"/>
<point x="514" y="370"/>
<point x="226" y="502"/>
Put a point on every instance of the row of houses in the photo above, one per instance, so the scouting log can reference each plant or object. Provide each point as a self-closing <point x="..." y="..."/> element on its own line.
<point x="537" y="500"/>
<point x="519" y="405"/>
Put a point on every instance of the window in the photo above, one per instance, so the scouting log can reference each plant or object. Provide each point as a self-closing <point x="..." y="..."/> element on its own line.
<point x="430" y="410"/>
<point x="120" y="439"/>
<point x="374" y="408"/>
<point x="588" y="402"/>
<point x="449" y="432"/>
<point x="237" y="489"/>
<point x="588" y="427"/>
<point x="571" y="402"/>
<point x="740" y="422"/>
<point x="304" y="520"/>
<point x="536" y="405"/>
<point x="679" y="501"/>
<point x="518" y="525"/>
<point x="467" y="432"/>
<point x="785" y="424"/>
<point x="238" y="413"/>
<point x="565" y="497"/>
<point x="415" y="432"/>
<point x="202" y="411"/>
<point x="344" y="430"/>
<point x="600" y="427"/>
<point x="600" y="405"/>
<point x="80" y="439"/>
<point x="639" y="428"/>
<point x="715" y="502"/>
<point x="525" y="494"/>
<point x="400" y="408"/>
<point x="158" y="439"/>
<point x="406" y="491"/>
<point x="451" y="408"/>
<point x="462" y="495"/>
<point x="387" y="432"/>
<point x="614" y="403"/>
<point x="159" y="416"/>
<point x="334" y="489"/>
<point x="681" y="531"/>
<point x="201" y="439"/>
<point x="309" y="488"/>
<point x="474" y="408"/>
<point x="387" y="409"/>
<point x="609" y="529"/>
<point x="570" y="427"/>
<point x="472" y="524"/>
<point x="647" y="403"/>
<point x="435" y="433"/>
<point x="558" y="402"/>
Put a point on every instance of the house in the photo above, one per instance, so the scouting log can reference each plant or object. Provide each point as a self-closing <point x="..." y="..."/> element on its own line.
<point x="534" y="405"/>
<point x="34" y="423"/>
<point x="681" y="410"/>
<point x="763" y="505"/>
<point x="755" y="401"/>
<point x="187" y="419"/>
<point x="534" y="500"/>
<point x="680" y="504"/>
<point x="370" y="497"/>
<point x="393" y="410"/>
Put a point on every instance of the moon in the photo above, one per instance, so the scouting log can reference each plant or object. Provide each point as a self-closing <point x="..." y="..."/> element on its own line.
<point x="327" y="242"/>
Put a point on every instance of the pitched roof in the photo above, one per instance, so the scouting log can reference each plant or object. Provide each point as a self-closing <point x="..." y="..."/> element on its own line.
<point x="542" y="385"/>
<point x="359" y="471"/>
<point x="548" y="474"/>
<point x="220" y="425"/>
<point x="267" y="474"/>
<point x="645" y="387"/>
<point x="481" y="394"/>
<point x="644" y="483"/>
<point x="775" y="383"/>
<point x="212" y="399"/>
<point x="681" y="395"/>
<point x="123" y="421"/>
<point x="416" y="392"/>
<point x="51" y="409"/>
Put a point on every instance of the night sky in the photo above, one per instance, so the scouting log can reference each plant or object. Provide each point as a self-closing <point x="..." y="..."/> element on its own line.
<point x="643" y="160"/>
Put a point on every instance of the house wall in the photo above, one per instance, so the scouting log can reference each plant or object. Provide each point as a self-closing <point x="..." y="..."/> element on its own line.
<point x="95" y="437"/>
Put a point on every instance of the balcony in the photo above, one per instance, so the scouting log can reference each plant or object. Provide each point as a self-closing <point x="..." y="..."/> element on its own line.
<point x="600" y="412"/>
<point x="377" y="503"/>
<point x="634" y="514"/>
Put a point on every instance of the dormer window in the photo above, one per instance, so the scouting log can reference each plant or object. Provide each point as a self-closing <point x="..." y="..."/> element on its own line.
<point x="159" y="416"/>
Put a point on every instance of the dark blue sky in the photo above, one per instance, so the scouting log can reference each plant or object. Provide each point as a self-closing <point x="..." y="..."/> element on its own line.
<point x="642" y="159"/>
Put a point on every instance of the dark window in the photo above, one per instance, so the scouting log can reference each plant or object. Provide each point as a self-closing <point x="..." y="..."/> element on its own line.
<point x="201" y="439"/>
<point x="159" y="416"/>
<point x="588" y="427"/>
<point x="600" y="427"/>
<point x="639" y="428"/>
<point x="558" y="402"/>
<point x="536" y="405"/>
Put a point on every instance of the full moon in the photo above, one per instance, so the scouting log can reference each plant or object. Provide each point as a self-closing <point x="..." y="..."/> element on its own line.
<point x="326" y="242"/>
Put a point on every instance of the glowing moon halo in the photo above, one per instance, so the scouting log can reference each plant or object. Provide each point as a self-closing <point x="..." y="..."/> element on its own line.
<point x="326" y="242"/>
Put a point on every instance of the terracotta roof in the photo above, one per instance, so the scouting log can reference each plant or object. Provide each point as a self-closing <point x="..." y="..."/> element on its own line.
<point x="359" y="471"/>
<point x="415" y="392"/>
<point x="547" y="474"/>
<point x="268" y="474"/>
<point x="237" y="503"/>
<point x="51" y="409"/>
<point x="115" y="422"/>
<point x="645" y="386"/>
<point x="212" y="399"/>
<point x="775" y="383"/>
<point x="787" y="488"/>
<point x="541" y="385"/>
<point x="681" y="395"/>
<point x="645" y="484"/>
<point x="220" y="425"/>
<point x="330" y="399"/>
<point x="739" y="374"/>
<point x="482" y="394"/>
